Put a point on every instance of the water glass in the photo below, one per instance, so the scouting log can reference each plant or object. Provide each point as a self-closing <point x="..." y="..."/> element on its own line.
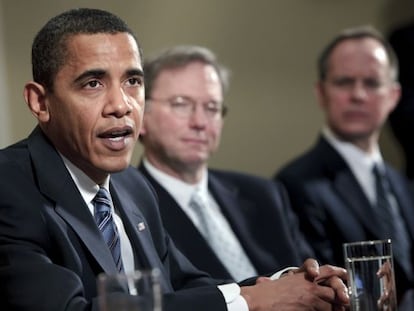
<point x="136" y="291"/>
<point x="371" y="280"/>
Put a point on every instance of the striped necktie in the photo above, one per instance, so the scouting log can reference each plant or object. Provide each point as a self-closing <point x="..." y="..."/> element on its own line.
<point x="106" y="224"/>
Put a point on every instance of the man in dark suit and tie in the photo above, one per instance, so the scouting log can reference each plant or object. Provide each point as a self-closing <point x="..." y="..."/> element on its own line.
<point x="185" y="86"/>
<point x="58" y="185"/>
<point x="341" y="189"/>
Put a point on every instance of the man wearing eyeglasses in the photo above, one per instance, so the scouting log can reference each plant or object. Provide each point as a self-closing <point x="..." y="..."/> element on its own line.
<point x="244" y="226"/>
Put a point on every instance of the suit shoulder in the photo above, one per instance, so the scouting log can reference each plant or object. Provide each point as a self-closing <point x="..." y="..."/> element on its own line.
<point x="18" y="154"/>
<point x="236" y="176"/>
<point x="306" y="164"/>
<point x="132" y="180"/>
<point x="243" y="180"/>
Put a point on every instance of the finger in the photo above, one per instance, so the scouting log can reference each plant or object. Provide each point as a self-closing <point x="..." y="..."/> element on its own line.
<point x="325" y="293"/>
<point x="340" y="289"/>
<point x="323" y="298"/>
<point x="328" y="271"/>
<point x="311" y="268"/>
<point x="263" y="279"/>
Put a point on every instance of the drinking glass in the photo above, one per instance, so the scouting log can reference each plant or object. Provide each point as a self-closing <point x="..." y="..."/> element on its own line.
<point x="371" y="280"/>
<point x="135" y="291"/>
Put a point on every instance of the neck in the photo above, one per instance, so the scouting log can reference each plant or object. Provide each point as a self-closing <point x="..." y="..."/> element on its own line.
<point x="190" y="174"/>
<point x="366" y="143"/>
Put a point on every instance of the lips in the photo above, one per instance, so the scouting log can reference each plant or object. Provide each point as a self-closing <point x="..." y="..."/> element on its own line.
<point x="196" y="141"/>
<point x="117" y="139"/>
<point x="116" y="134"/>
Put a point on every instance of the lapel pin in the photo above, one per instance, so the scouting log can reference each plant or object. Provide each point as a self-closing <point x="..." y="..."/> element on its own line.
<point x="141" y="226"/>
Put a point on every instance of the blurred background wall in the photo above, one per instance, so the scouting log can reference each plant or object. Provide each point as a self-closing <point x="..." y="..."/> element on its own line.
<point x="270" y="46"/>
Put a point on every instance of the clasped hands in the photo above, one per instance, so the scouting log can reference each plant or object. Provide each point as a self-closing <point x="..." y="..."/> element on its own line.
<point x="310" y="287"/>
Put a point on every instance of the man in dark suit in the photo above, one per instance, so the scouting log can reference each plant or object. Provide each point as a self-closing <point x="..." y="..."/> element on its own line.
<point x="333" y="188"/>
<point x="88" y="97"/>
<point x="185" y="86"/>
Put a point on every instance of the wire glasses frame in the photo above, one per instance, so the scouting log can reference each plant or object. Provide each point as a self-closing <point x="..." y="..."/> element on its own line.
<point x="184" y="107"/>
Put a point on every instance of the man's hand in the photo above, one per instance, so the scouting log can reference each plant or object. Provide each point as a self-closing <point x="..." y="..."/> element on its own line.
<point x="308" y="288"/>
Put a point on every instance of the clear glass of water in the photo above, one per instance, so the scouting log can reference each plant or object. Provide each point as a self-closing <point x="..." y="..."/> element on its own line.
<point x="371" y="280"/>
<point x="136" y="291"/>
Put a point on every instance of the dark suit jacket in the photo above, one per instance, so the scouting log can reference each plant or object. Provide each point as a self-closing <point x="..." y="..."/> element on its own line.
<point x="258" y="212"/>
<point x="332" y="207"/>
<point x="51" y="250"/>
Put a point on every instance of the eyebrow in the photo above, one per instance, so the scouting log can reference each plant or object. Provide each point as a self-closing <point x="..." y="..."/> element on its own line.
<point x="99" y="73"/>
<point x="135" y="72"/>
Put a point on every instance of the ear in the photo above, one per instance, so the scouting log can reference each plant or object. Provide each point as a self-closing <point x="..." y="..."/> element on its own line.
<point x="395" y="95"/>
<point x="35" y="97"/>
<point x="320" y="93"/>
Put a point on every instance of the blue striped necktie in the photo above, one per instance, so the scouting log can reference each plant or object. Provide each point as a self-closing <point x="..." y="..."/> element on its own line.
<point x="106" y="224"/>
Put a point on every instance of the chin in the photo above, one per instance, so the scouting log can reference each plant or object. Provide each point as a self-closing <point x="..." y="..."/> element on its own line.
<point x="116" y="165"/>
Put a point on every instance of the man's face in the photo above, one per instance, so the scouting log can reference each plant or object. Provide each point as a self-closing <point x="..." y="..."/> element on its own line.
<point x="96" y="107"/>
<point x="174" y="140"/>
<point x="359" y="92"/>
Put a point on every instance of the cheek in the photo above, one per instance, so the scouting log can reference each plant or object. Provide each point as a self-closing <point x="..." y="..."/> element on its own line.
<point x="215" y="134"/>
<point x="165" y="128"/>
<point x="139" y="116"/>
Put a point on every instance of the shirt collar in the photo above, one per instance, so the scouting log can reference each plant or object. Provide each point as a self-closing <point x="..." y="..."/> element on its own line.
<point x="179" y="190"/>
<point x="86" y="186"/>
<point x="354" y="156"/>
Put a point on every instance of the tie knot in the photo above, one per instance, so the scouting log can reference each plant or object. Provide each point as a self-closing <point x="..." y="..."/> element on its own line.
<point x="102" y="201"/>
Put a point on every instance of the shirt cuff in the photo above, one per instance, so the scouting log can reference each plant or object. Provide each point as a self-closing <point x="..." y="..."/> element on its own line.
<point x="234" y="301"/>
<point x="278" y="274"/>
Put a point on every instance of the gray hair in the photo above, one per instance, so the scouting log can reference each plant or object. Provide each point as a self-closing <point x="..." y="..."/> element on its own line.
<point x="178" y="57"/>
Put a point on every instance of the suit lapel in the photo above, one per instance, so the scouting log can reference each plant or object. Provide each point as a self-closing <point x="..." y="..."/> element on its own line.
<point x="173" y="213"/>
<point x="136" y="227"/>
<point x="180" y="227"/>
<point x="347" y="186"/>
<point x="228" y="198"/>
<point x="237" y="210"/>
<point x="56" y="183"/>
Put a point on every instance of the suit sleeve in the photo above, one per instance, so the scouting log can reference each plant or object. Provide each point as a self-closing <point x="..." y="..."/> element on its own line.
<point x="29" y="280"/>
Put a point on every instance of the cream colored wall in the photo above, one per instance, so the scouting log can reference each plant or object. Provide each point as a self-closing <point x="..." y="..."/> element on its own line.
<point x="270" y="45"/>
<point x="4" y="107"/>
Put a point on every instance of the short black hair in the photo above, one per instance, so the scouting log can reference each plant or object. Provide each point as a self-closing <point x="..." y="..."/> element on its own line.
<point x="49" y="46"/>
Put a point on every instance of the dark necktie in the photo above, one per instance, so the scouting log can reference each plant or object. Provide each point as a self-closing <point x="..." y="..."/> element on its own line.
<point x="106" y="224"/>
<point x="389" y="214"/>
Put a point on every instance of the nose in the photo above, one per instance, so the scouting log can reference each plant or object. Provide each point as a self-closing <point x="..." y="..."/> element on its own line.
<point x="118" y="103"/>
<point x="199" y="116"/>
<point x="358" y="92"/>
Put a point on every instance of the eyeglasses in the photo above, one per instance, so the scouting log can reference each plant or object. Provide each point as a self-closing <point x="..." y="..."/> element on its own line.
<point x="184" y="107"/>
